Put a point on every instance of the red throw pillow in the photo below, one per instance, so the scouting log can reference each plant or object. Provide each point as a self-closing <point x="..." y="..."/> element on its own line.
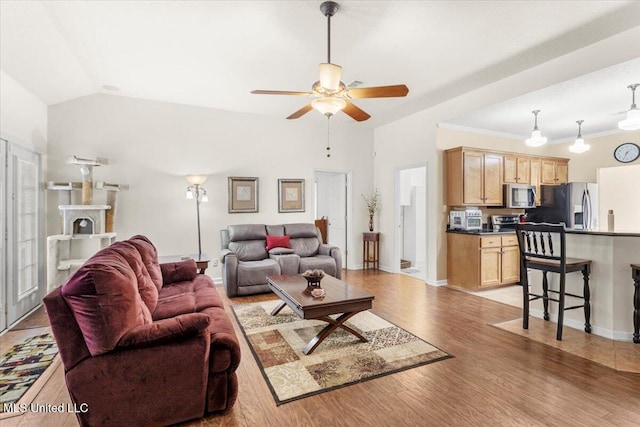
<point x="278" y="242"/>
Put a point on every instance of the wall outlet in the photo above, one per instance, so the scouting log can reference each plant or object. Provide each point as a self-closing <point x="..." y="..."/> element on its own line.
<point x="214" y="262"/>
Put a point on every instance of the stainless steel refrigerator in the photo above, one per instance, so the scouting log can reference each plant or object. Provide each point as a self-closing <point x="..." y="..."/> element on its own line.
<point x="575" y="204"/>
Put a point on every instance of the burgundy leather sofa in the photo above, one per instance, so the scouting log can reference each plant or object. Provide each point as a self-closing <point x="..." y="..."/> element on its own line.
<point x="143" y="343"/>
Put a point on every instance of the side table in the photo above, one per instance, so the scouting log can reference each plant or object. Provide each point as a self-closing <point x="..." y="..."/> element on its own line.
<point x="370" y="241"/>
<point x="202" y="260"/>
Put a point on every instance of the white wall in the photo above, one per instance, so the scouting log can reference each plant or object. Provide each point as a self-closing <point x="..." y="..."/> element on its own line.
<point x="152" y="145"/>
<point x="23" y="117"/>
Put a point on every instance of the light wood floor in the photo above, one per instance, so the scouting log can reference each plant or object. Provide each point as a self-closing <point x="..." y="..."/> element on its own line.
<point x="496" y="378"/>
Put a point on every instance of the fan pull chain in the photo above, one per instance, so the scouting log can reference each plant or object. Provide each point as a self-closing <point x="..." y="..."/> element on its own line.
<point x="328" y="146"/>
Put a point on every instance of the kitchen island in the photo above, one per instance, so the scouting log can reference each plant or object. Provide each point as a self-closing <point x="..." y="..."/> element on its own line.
<point x="610" y="282"/>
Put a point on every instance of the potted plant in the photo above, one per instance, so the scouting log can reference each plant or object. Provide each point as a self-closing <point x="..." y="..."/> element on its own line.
<point x="372" y="205"/>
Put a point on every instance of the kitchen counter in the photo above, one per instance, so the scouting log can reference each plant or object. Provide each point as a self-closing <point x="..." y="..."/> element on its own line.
<point x="611" y="283"/>
<point x="622" y="233"/>
<point x="481" y="232"/>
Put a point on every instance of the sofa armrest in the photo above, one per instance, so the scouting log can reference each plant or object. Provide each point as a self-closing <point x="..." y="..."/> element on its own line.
<point x="225" y="253"/>
<point x="167" y="383"/>
<point x="335" y="253"/>
<point x="230" y="272"/>
<point x="181" y="271"/>
<point x="165" y="330"/>
<point x="289" y="262"/>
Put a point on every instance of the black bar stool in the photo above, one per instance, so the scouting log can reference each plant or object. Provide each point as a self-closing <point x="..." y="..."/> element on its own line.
<point x="635" y="274"/>
<point x="536" y="252"/>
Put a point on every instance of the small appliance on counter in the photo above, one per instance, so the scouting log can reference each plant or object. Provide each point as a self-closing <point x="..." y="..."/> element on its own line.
<point x="468" y="219"/>
<point x="504" y="222"/>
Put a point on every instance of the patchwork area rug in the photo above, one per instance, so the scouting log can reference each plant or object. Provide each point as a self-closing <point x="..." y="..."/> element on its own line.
<point x="341" y="360"/>
<point x="21" y="366"/>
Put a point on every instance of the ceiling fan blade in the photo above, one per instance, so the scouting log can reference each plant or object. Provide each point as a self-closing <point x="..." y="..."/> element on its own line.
<point x="280" y="92"/>
<point x="301" y="112"/>
<point x="378" y="92"/>
<point x="355" y="112"/>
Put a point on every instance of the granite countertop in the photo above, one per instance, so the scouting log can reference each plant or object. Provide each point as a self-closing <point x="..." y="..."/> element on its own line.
<point x="623" y="233"/>
<point x="483" y="232"/>
<point x="487" y="232"/>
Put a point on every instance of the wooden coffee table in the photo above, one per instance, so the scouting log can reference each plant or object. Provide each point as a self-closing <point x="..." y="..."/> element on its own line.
<point x="340" y="297"/>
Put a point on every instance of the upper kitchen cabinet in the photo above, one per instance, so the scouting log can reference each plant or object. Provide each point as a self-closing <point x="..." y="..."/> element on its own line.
<point x="554" y="171"/>
<point x="474" y="177"/>
<point x="517" y="169"/>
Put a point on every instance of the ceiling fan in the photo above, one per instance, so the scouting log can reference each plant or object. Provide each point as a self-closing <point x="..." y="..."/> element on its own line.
<point x="331" y="95"/>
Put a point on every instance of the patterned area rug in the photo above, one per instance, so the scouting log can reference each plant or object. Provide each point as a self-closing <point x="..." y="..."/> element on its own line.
<point x="21" y="366"/>
<point x="340" y="360"/>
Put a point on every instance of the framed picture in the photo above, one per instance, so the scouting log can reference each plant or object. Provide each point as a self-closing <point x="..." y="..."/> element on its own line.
<point x="243" y="194"/>
<point x="291" y="195"/>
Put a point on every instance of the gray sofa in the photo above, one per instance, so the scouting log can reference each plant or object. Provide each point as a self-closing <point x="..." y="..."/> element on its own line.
<point x="246" y="263"/>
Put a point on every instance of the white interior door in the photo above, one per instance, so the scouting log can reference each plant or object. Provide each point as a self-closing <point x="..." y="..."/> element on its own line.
<point x="331" y="202"/>
<point x="25" y="279"/>
<point x="3" y="218"/>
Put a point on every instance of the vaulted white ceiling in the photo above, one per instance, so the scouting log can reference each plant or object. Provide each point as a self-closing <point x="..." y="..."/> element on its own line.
<point x="213" y="53"/>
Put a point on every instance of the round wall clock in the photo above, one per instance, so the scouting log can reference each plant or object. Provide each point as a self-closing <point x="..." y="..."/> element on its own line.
<point x="627" y="152"/>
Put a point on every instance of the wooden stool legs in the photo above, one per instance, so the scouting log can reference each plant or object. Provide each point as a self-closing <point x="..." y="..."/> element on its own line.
<point x="636" y="303"/>
<point x="586" y="270"/>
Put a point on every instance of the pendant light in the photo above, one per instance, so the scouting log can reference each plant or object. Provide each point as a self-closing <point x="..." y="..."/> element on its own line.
<point x="579" y="146"/>
<point x="536" y="139"/>
<point x="632" y="122"/>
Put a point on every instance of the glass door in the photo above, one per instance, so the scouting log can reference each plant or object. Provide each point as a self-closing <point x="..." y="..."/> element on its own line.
<point x="25" y="286"/>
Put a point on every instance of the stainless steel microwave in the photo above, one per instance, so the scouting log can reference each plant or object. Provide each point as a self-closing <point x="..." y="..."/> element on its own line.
<point x="519" y="196"/>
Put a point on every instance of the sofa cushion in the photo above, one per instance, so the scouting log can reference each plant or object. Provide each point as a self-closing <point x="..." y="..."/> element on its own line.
<point x="146" y="286"/>
<point x="255" y="273"/>
<point x="103" y="296"/>
<point x="249" y="250"/>
<point x="301" y="230"/>
<point x="190" y="296"/>
<point x="165" y="330"/>
<point x="275" y="230"/>
<point x="321" y="262"/>
<point x="278" y="242"/>
<point x="181" y="271"/>
<point x="242" y="232"/>
<point x="305" y="246"/>
<point x="149" y="256"/>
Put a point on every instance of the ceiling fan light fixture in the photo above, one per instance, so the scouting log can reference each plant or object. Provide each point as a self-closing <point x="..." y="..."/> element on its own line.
<point x="632" y="122"/>
<point x="328" y="105"/>
<point x="330" y="76"/>
<point x="579" y="146"/>
<point x="536" y="139"/>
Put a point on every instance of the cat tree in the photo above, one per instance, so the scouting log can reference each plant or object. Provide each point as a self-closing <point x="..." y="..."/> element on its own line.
<point x="84" y="221"/>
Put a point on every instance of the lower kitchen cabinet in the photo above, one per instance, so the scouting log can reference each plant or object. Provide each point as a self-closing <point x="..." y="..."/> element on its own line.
<point x="478" y="261"/>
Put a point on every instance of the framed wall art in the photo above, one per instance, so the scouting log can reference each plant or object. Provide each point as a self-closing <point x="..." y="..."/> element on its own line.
<point x="243" y="194"/>
<point x="291" y="195"/>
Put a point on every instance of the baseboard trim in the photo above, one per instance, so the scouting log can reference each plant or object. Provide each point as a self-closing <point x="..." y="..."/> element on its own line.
<point x="595" y="330"/>
<point x="437" y="283"/>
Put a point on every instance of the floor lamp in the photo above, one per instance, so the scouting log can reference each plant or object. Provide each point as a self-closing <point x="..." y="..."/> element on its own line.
<point x="196" y="191"/>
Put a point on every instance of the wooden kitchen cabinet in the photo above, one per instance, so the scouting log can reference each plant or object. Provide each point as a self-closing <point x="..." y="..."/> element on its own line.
<point x="474" y="178"/>
<point x="517" y="169"/>
<point x="535" y="177"/>
<point x="478" y="261"/>
<point x="554" y="171"/>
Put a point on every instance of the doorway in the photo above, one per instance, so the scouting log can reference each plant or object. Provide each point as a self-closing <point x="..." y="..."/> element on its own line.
<point x="22" y="222"/>
<point x="332" y="189"/>
<point x="411" y="219"/>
